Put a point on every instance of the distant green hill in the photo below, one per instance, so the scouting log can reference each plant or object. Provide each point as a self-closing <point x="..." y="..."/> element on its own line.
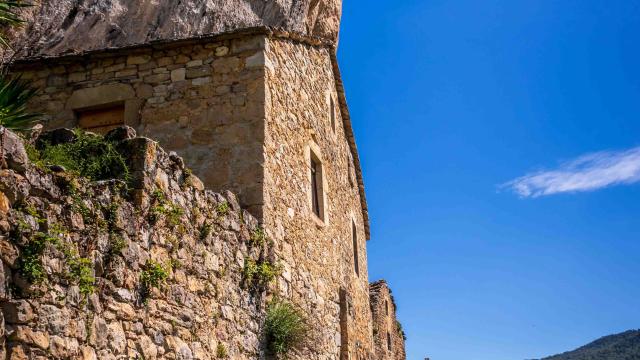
<point x="623" y="346"/>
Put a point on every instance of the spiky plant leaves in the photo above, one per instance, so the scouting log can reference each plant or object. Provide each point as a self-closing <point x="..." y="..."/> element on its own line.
<point x="9" y="16"/>
<point x="14" y="96"/>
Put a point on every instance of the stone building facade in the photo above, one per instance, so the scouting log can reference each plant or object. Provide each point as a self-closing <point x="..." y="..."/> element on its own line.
<point x="388" y="335"/>
<point x="257" y="111"/>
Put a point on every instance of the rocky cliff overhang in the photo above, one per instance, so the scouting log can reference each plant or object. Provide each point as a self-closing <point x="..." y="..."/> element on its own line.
<point x="57" y="27"/>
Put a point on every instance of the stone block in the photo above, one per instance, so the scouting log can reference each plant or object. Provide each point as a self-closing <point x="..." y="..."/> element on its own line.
<point x="17" y="311"/>
<point x="222" y="51"/>
<point x="138" y="59"/>
<point x="104" y="94"/>
<point x="178" y="74"/>
<point x="77" y="77"/>
<point x="126" y="73"/>
<point x="157" y="79"/>
<point x="197" y="72"/>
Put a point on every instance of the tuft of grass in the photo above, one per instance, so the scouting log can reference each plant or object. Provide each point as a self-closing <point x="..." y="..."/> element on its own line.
<point x="205" y="231"/>
<point x="90" y="156"/>
<point x="286" y="327"/>
<point x="221" y="351"/>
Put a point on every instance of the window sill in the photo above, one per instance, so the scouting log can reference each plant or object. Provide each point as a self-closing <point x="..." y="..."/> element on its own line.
<point x="318" y="221"/>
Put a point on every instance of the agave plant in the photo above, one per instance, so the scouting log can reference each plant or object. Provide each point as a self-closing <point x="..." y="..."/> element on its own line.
<point x="14" y="95"/>
<point x="9" y="16"/>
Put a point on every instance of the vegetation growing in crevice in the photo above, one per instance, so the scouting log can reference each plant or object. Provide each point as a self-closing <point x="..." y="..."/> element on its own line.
<point x="223" y="208"/>
<point x="164" y="209"/>
<point x="30" y="262"/>
<point x="221" y="351"/>
<point x="259" y="274"/>
<point x="258" y="237"/>
<point x="153" y="276"/>
<point x="205" y="231"/>
<point x="401" y="330"/>
<point x="286" y="327"/>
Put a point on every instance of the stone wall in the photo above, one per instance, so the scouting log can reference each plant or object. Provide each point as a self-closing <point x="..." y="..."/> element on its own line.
<point x="246" y="112"/>
<point x="387" y="331"/>
<point x="319" y="253"/>
<point x="203" y="99"/>
<point x="100" y="229"/>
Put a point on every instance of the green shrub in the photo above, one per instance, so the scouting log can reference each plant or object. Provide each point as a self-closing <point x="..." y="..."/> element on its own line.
<point x="90" y="156"/>
<point x="286" y="327"/>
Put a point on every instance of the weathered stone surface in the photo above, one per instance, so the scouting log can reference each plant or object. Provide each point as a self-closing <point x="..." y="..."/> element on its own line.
<point x="388" y="335"/>
<point x="12" y="152"/>
<point x="178" y="319"/>
<point x="57" y="27"/>
<point x="17" y="312"/>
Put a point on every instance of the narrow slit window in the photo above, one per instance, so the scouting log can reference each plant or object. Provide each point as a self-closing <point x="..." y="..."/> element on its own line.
<point x="386" y="305"/>
<point x="388" y="341"/>
<point x="101" y="120"/>
<point x="332" y="111"/>
<point x="317" y="201"/>
<point x="356" y="262"/>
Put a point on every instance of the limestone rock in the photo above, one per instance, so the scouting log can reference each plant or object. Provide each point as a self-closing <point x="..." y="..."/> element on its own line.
<point x="67" y="26"/>
<point x="17" y="312"/>
<point x="13" y="154"/>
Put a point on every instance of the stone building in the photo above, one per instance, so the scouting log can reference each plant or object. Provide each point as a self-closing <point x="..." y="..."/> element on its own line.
<point x="249" y="94"/>
<point x="388" y="336"/>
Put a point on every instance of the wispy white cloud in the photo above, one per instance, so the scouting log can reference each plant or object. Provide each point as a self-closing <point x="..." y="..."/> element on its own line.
<point x="586" y="173"/>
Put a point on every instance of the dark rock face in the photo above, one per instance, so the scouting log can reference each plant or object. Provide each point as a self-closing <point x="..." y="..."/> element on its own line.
<point x="57" y="27"/>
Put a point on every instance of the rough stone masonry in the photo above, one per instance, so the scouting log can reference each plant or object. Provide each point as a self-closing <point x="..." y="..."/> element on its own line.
<point x="249" y="109"/>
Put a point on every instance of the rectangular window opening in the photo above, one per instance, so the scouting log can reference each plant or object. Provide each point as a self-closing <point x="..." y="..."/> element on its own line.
<point x="317" y="195"/>
<point x="388" y="341"/>
<point x="332" y="110"/>
<point x="101" y="120"/>
<point x="356" y="262"/>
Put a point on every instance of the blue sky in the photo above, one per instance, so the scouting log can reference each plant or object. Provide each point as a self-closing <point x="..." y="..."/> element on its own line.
<point x="473" y="120"/>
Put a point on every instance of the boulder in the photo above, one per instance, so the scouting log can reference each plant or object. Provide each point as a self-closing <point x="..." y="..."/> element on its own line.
<point x="12" y="153"/>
